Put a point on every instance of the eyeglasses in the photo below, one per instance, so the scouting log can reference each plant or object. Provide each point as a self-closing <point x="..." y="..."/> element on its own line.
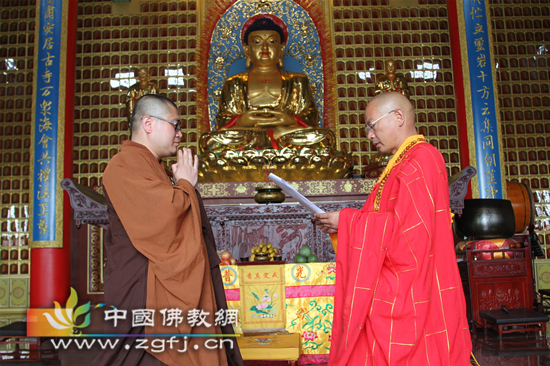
<point x="370" y="125"/>
<point x="176" y="125"/>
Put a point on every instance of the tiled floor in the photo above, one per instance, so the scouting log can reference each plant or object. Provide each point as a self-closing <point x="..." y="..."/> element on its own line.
<point x="517" y="349"/>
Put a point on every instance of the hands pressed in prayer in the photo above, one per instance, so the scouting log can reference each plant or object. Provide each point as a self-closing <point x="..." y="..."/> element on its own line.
<point x="187" y="167"/>
<point x="327" y="221"/>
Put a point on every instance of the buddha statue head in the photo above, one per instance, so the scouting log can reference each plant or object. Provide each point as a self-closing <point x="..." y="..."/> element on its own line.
<point x="390" y="69"/>
<point x="142" y="87"/>
<point x="143" y="74"/>
<point x="391" y="81"/>
<point x="264" y="38"/>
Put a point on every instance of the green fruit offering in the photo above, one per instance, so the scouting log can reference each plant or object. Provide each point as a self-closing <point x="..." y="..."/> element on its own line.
<point x="300" y="259"/>
<point x="305" y="251"/>
<point x="312" y="259"/>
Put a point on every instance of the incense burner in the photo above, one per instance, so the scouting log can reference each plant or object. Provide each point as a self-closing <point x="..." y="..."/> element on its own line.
<point x="267" y="193"/>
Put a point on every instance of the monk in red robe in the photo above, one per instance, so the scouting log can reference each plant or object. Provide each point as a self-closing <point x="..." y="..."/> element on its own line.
<point x="399" y="297"/>
<point x="157" y="258"/>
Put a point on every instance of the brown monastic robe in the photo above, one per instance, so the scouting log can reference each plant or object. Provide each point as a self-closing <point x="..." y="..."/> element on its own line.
<point x="234" y="357"/>
<point x="156" y="236"/>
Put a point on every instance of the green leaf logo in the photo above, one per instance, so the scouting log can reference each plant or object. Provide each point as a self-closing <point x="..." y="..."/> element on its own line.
<point x="67" y="318"/>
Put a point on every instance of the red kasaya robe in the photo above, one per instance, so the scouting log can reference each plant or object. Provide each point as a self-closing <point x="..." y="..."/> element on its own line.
<point x="399" y="297"/>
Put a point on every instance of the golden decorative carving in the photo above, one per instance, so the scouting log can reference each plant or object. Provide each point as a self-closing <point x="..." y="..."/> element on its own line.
<point x="4" y="294"/>
<point x="240" y="189"/>
<point x="295" y="185"/>
<point x="95" y="260"/>
<point x="290" y="164"/>
<point x="365" y="185"/>
<point x="320" y="187"/>
<point x="19" y="293"/>
<point x="215" y="190"/>
<point x="348" y="186"/>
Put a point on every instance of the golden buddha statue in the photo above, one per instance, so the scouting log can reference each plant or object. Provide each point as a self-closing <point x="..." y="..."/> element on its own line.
<point x="266" y="107"/>
<point x="267" y="117"/>
<point x="139" y="89"/>
<point x="391" y="81"/>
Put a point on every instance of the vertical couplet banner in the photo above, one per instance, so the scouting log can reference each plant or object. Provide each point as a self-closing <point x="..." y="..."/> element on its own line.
<point x="49" y="126"/>
<point x="485" y="123"/>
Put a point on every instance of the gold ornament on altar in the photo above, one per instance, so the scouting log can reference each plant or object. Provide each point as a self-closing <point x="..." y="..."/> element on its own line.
<point x="266" y="109"/>
<point x="287" y="163"/>
<point x="139" y="89"/>
<point x="391" y="81"/>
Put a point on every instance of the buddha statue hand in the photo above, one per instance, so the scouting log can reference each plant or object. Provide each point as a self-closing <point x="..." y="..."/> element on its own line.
<point x="266" y="118"/>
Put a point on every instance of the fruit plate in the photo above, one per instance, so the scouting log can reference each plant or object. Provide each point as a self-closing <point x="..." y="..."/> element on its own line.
<point x="257" y="263"/>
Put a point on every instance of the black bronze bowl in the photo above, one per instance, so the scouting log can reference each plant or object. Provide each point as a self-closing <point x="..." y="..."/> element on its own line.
<point x="486" y="218"/>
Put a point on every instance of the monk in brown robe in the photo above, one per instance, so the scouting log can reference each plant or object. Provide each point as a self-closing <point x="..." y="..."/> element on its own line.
<point x="157" y="258"/>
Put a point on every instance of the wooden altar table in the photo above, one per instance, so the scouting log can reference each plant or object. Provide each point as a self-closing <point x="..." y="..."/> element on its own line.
<point x="239" y="224"/>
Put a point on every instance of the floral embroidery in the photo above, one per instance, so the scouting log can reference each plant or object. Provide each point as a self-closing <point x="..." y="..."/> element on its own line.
<point x="265" y="305"/>
<point x="309" y="335"/>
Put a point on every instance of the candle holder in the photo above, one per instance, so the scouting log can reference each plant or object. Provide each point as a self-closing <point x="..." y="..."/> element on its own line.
<point x="269" y="194"/>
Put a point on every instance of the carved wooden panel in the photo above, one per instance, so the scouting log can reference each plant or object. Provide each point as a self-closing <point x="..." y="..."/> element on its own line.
<point x="87" y="262"/>
<point x="287" y="226"/>
<point x="493" y="295"/>
<point x="495" y="269"/>
<point x="499" y="282"/>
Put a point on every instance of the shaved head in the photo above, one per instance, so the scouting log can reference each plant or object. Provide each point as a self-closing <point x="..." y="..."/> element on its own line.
<point x="390" y="120"/>
<point x="393" y="100"/>
<point x="147" y="105"/>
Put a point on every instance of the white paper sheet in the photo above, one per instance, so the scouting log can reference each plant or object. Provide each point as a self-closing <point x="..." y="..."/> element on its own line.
<point x="295" y="194"/>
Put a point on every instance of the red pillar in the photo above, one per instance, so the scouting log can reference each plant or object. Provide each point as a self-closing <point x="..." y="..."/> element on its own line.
<point x="458" y="77"/>
<point x="51" y="267"/>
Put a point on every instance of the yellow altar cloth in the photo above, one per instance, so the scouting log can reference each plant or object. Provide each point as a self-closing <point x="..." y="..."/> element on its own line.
<point x="262" y="296"/>
<point x="306" y="292"/>
<point x="309" y="290"/>
<point x="231" y="286"/>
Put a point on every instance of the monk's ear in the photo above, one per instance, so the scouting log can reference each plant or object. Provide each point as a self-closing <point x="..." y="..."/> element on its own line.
<point x="147" y="124"/>
<point x="400" y="115"/>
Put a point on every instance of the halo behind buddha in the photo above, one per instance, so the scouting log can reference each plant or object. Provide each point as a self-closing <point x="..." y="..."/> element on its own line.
<point x="225" y="57"/>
